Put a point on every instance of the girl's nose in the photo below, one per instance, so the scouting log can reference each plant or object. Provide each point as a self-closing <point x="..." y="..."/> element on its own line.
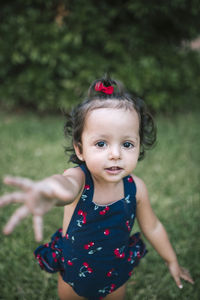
<point x="115" y="152"/>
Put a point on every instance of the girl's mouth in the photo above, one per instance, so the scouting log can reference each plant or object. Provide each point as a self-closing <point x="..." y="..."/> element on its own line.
<point x="114" y="170"/>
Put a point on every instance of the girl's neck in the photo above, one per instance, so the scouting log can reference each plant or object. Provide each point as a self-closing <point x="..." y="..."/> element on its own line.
<point x="106" y="193"/>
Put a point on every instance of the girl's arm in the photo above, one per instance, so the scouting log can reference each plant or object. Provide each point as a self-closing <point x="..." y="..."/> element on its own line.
<point x="39" y="197"/>
<point x="156" y="233"/>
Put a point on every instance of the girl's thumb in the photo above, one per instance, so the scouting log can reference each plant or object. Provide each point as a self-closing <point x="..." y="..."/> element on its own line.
<point x="178" y="282"/>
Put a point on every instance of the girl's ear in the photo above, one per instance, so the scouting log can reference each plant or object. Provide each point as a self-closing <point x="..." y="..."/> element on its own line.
<point x="78" y="151"/>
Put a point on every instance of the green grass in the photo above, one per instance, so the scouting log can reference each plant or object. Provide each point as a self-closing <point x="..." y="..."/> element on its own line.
<point x="33" y="146"/>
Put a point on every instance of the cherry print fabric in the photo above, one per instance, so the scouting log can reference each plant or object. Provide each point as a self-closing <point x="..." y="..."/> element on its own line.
<point x="97" y="254"/>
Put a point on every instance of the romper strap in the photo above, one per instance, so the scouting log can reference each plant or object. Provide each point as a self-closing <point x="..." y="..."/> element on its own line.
<point x="129" y="184"/>
<point x="88" y="178"/>
<point x="130" y="188"/>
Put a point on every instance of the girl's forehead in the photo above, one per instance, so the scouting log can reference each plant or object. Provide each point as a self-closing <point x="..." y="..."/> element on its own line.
<point x="103" y="112"/>
<point x="112" y="117"/>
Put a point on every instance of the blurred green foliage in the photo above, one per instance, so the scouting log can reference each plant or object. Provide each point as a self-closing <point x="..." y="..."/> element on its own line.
<point x="50" y="51"/>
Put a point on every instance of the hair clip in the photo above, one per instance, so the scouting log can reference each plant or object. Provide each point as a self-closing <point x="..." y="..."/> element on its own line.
<point x="100" y="87"/>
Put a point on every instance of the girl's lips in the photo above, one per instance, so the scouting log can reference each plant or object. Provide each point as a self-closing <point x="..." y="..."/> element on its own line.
<point x="114" y="170"/>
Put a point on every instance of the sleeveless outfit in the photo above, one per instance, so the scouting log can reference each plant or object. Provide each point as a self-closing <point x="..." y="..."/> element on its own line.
<point x="97" y="254"/>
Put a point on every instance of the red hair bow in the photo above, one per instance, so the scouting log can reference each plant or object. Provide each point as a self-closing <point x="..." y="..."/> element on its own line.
<point x="99" y="87"/>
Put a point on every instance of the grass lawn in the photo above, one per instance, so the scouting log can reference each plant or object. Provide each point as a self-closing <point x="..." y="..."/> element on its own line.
<point x="32" y="146"/>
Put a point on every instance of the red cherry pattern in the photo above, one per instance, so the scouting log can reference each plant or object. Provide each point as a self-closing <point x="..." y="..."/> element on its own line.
<point x="87" y="246"/>
<point x="118" y="254"/>
<point x="39" y="259"/>
<point x="106" y="232"/>
<point x="54" y="256"/>
<point x="89" y="270"/>
<point x="86" y="265"/>
<point x="128" y="225"/>
<point x="130" y="256"/>
<point x="104" y="211"/>
<point x="70" y="263"/>
<point x="130" y="179"/>
<point x="112" y="287"/>
<point x="83" y="214"/>
<point x="130" y="273"/>
<point x="109" y="274"/>
<point x="87" y="187"/>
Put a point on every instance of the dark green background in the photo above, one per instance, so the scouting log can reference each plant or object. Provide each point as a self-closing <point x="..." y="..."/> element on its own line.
<point x="50" y="51"/>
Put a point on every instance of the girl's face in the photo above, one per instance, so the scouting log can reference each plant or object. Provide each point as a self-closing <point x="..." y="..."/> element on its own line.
<point x="110" y="143"/>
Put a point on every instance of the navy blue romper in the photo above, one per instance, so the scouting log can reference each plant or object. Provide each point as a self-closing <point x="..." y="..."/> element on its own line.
<point x="97" y="254"/>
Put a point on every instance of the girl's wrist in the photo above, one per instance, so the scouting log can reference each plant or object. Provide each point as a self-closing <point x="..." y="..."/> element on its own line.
<point x="172" y="259"/>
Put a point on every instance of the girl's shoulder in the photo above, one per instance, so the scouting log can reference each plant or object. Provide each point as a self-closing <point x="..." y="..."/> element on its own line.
<point x="76" y="173"/>
<point x="73" y="170"/>
<point x="141" y="189"/>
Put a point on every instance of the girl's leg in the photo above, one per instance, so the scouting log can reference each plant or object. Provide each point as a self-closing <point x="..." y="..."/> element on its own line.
<point x="65" y="291"/>
<point x="119" y="294"/>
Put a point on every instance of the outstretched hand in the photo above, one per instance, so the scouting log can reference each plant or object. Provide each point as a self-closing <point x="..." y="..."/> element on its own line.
<point x="37" y="198"/>
<point x="179" y="273"/>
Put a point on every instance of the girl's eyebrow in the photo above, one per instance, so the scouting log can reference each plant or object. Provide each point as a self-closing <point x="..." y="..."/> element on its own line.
<point x="99" y="136"/>
<point x="104" y="136"/>
<point x="128" y="137"/>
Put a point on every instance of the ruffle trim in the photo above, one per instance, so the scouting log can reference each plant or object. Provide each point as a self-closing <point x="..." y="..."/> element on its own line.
<point x="51" y="259"/>
<point x="137" y="248"/>
<point x="50" y="256"/>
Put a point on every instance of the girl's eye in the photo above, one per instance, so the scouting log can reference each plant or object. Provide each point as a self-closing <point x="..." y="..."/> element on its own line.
<point x="101" y="144"/>
<point x="128" y="145"/>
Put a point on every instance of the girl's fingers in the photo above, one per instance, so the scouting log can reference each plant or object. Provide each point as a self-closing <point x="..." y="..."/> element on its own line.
<point x="20" y="182"/>
<point x="38" y="228"/>
<point x="186" y="276"/>
<point x="16" y="197"/>
<point x="54" y="190"/>
<point x="15" y="219"/>
<point x="178" y="282"/>
<point x="61" y="194"/>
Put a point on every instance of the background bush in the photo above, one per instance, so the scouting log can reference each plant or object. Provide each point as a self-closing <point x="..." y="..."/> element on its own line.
<point x="52" y="50"/>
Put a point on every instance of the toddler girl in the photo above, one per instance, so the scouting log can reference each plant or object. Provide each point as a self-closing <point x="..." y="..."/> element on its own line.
<point x="94" y="252"/>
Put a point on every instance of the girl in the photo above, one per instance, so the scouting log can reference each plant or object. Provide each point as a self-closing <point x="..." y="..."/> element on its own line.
<point x="94" y="252"/>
